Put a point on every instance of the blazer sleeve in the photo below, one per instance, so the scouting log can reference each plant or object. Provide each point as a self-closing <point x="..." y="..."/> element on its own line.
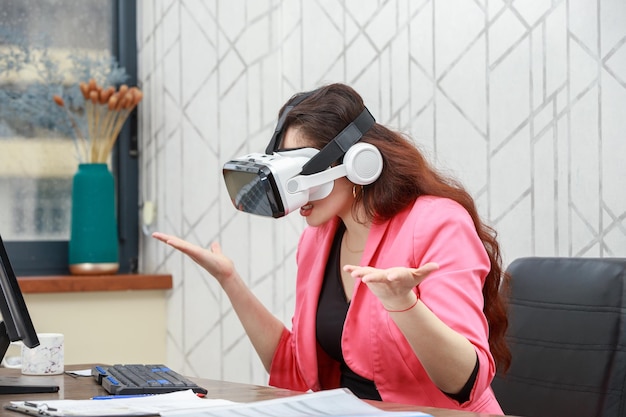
<point x="284" y="370"/>
<point x="445" y="234"/>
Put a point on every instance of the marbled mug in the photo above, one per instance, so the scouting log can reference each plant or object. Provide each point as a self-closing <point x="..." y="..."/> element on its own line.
<point x="45" y="359"/>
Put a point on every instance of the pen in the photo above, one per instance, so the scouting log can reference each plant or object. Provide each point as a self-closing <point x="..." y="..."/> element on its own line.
<point x="112" y="397"/>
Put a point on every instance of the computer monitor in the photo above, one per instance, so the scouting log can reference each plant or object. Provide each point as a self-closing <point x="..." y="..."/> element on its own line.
<point x="16" y="325"/>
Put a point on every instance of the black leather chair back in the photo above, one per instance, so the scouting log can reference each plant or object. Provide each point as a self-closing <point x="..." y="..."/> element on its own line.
<point x="567" y="334"/>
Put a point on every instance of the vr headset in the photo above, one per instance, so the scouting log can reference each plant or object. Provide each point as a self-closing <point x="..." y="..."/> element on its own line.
<point x="278" y="182"/>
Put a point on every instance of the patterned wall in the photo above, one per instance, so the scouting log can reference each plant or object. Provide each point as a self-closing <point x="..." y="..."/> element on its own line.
<point x="524" y="101"/>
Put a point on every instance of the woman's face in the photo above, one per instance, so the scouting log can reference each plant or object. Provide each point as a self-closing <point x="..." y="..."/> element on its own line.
<point x="337" y="203"/>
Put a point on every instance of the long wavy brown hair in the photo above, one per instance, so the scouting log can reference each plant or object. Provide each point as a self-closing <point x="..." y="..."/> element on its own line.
<point x="406" y="175"/>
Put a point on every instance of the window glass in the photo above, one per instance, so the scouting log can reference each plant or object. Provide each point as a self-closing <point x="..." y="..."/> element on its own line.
<point x="46" y="48"/>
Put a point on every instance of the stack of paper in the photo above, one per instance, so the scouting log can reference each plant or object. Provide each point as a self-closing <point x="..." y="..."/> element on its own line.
<point x="332" y="403"/>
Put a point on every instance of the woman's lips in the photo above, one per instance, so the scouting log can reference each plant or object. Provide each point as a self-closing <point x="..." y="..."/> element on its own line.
<point x="305" y="210"/>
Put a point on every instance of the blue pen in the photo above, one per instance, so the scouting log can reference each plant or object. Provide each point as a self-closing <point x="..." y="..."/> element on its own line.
<point x="112" y="397"/>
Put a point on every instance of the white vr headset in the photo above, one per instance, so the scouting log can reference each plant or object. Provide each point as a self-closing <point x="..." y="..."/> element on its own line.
<point x="278" y="182"/>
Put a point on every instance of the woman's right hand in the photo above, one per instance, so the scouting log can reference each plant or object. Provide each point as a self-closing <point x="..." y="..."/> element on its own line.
<point x="262" y="327"/>
<point x="212" y="259"/>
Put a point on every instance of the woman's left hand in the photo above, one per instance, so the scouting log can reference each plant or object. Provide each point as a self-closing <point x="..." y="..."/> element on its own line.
<point x="393" y="286"/>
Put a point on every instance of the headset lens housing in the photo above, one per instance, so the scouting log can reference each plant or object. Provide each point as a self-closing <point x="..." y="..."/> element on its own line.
<point x="252" y="188"/>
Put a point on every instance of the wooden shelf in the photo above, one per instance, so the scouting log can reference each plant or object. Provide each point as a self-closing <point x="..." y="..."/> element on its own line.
<point x="82" y="283"/>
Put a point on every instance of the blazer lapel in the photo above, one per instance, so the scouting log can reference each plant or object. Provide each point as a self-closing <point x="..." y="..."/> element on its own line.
<point x="309" y="294"/>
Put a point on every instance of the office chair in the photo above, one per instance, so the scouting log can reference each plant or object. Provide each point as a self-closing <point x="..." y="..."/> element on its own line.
<point x="567" y="335"/>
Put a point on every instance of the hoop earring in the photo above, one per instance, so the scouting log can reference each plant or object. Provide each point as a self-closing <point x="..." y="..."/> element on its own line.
<point x="354" y="192"/>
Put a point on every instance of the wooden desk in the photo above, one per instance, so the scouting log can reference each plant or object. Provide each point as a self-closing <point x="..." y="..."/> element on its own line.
<point x="80" y="388"/>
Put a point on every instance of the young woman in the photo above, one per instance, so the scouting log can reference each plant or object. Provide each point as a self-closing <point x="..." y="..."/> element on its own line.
<point x="397" y="293"/>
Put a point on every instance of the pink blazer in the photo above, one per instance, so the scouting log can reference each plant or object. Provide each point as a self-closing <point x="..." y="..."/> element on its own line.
<point x="433" y="229"/>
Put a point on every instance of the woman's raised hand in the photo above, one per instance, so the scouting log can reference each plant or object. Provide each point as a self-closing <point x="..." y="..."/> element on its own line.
<point x="393" y="286"/>
<point x="212" y="259"/>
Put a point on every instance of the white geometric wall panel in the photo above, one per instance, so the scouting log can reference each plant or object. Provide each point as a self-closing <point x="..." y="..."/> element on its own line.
<point x="524" y="101"/>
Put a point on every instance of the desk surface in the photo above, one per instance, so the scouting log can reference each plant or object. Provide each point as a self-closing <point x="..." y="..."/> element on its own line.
<point x="80" y="388"/>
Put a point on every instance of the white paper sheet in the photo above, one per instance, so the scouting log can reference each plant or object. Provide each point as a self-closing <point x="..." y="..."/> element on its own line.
<point x="331" y="403"/>
<point x="136" y="406"/>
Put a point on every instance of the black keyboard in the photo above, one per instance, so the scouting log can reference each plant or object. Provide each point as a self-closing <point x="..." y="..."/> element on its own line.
<point x="142" y="379"/>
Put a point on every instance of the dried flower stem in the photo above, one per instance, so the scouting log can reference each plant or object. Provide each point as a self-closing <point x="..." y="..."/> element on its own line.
<point x="79" y="134"/>
<point x="106" y="111"/>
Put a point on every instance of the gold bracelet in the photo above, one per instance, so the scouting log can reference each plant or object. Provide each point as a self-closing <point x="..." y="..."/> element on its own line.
<point x="406" y="309"/>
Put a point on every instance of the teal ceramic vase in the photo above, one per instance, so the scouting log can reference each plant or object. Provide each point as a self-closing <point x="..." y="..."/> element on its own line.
<point x="93" y="246"/>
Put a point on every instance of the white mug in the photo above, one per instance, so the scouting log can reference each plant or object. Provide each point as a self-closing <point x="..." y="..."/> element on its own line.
<point x="45" y="359"/>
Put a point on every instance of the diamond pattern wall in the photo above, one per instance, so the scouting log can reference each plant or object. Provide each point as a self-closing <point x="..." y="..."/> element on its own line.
<point x="523" y="100"/>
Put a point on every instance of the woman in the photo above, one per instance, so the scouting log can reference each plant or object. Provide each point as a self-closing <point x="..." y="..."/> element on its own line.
<point x="397" y="293"/>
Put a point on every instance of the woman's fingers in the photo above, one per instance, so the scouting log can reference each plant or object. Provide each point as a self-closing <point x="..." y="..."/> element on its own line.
<point x="168" y="239"/>
<point x="195" y="252"/>
<point x="161" y="236"/>
<point x="369" y="274"/>
<point x="216" y="248"/>
<point x="211" y="259"/>
<point x="429" y="267"/>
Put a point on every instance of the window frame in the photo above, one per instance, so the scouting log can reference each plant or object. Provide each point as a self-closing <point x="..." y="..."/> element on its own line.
<point x="50" y="257"/>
